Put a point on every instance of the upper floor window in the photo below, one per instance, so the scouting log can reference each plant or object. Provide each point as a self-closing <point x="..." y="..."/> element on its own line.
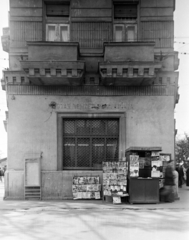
<point x="125" y="11"/>
<point x="125" y="32"/>
<point x="57" y="32"/>
<point x="125" y="22"/>
<point x="57" y="21"/>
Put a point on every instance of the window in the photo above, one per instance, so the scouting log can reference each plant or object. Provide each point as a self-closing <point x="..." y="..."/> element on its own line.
<point x="88" y="142"/>
<point x="57" y="21"/>
<point x="119" y="33"/>
<point x="125" y="32"/>
<point x="125" y="22"/>
<point x="57" y="32"/>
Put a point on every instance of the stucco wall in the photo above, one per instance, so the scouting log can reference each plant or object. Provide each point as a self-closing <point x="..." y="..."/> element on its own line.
<point x="14" y="185"/>
<point x="32" y="128"/>
<point x="32" y="125"/>
<point x="58" y="185"/>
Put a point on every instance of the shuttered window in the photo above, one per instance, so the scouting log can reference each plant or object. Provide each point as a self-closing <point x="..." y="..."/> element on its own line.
<point x="57" y="10"/>
<point x="125" y="11"/>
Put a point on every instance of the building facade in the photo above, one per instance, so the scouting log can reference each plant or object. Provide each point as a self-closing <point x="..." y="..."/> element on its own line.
<point x="86" y="80"/>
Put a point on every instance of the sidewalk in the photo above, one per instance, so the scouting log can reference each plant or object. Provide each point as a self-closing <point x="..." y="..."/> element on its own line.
<point x="63" y="205"/>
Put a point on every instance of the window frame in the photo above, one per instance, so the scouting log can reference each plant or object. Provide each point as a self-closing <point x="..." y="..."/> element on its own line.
<point x="64" y="25"/>
<point x="123" y="29"/>
<point x="88" y="138"/>
<point x="122" y="134"/>
<point x="135" y="32"/>
<point x="47" y="35"/>
<point x="125" y="26"/>
<point x="57" y="31"/>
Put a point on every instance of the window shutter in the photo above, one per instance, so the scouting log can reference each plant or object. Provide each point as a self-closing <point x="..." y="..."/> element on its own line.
<point x="125" y="11"/>
<point x="58" y="10"/>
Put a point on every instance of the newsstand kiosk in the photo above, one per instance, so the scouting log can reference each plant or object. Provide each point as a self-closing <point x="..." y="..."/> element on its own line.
<point x="145" y="172"/>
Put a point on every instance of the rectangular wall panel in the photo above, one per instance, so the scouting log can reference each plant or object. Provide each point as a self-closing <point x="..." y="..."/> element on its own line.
<point x="91" y="35"/>
<point x="25" y="3"/>
<point x="160" y="32"/>
<point x="25" y="12"/>
<point x="91" y="4"/>
<point x="91" y="13"/>
<point x="156" y="12"/>
<point x="157" y="3"/>
<point x="25" y="31"/>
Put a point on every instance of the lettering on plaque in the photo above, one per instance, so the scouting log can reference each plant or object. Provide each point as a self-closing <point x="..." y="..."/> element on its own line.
<point x="91" y="106"/>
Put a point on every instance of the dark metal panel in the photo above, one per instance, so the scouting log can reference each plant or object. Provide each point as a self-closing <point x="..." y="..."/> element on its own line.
<point x="143" y="190"/>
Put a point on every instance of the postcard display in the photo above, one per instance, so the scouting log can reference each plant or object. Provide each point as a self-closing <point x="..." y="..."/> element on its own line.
<point x="150" y="166"/>
<point x="86" y="187"/>
<point x="115" y="180"/>
<point x="145" y="169"/>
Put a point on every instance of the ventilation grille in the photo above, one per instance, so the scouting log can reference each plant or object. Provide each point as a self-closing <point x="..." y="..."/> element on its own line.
<point x="32" y="193"/>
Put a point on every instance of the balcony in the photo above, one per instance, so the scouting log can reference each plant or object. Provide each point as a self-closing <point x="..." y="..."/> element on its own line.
<point x="14" y="78"/>
<point x="53" y="51"/>
<point x="54" y="73"/>
<point x="129" y="64"/>
<point x="53" y="63"/>
<point x="5" y="40"/>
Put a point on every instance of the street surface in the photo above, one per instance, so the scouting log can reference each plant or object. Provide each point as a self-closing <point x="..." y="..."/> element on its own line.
<point x="49" y="220"/>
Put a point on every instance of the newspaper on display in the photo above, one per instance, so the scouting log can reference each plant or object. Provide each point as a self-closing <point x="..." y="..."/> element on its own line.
<point x="114" y="178"/>
<point x="86" y="187"/>
<point x="134" y="165"/>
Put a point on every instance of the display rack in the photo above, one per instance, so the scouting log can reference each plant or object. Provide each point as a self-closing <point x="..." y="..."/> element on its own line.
<point x="115" y="180"/>
<point x="86" y="187"/>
